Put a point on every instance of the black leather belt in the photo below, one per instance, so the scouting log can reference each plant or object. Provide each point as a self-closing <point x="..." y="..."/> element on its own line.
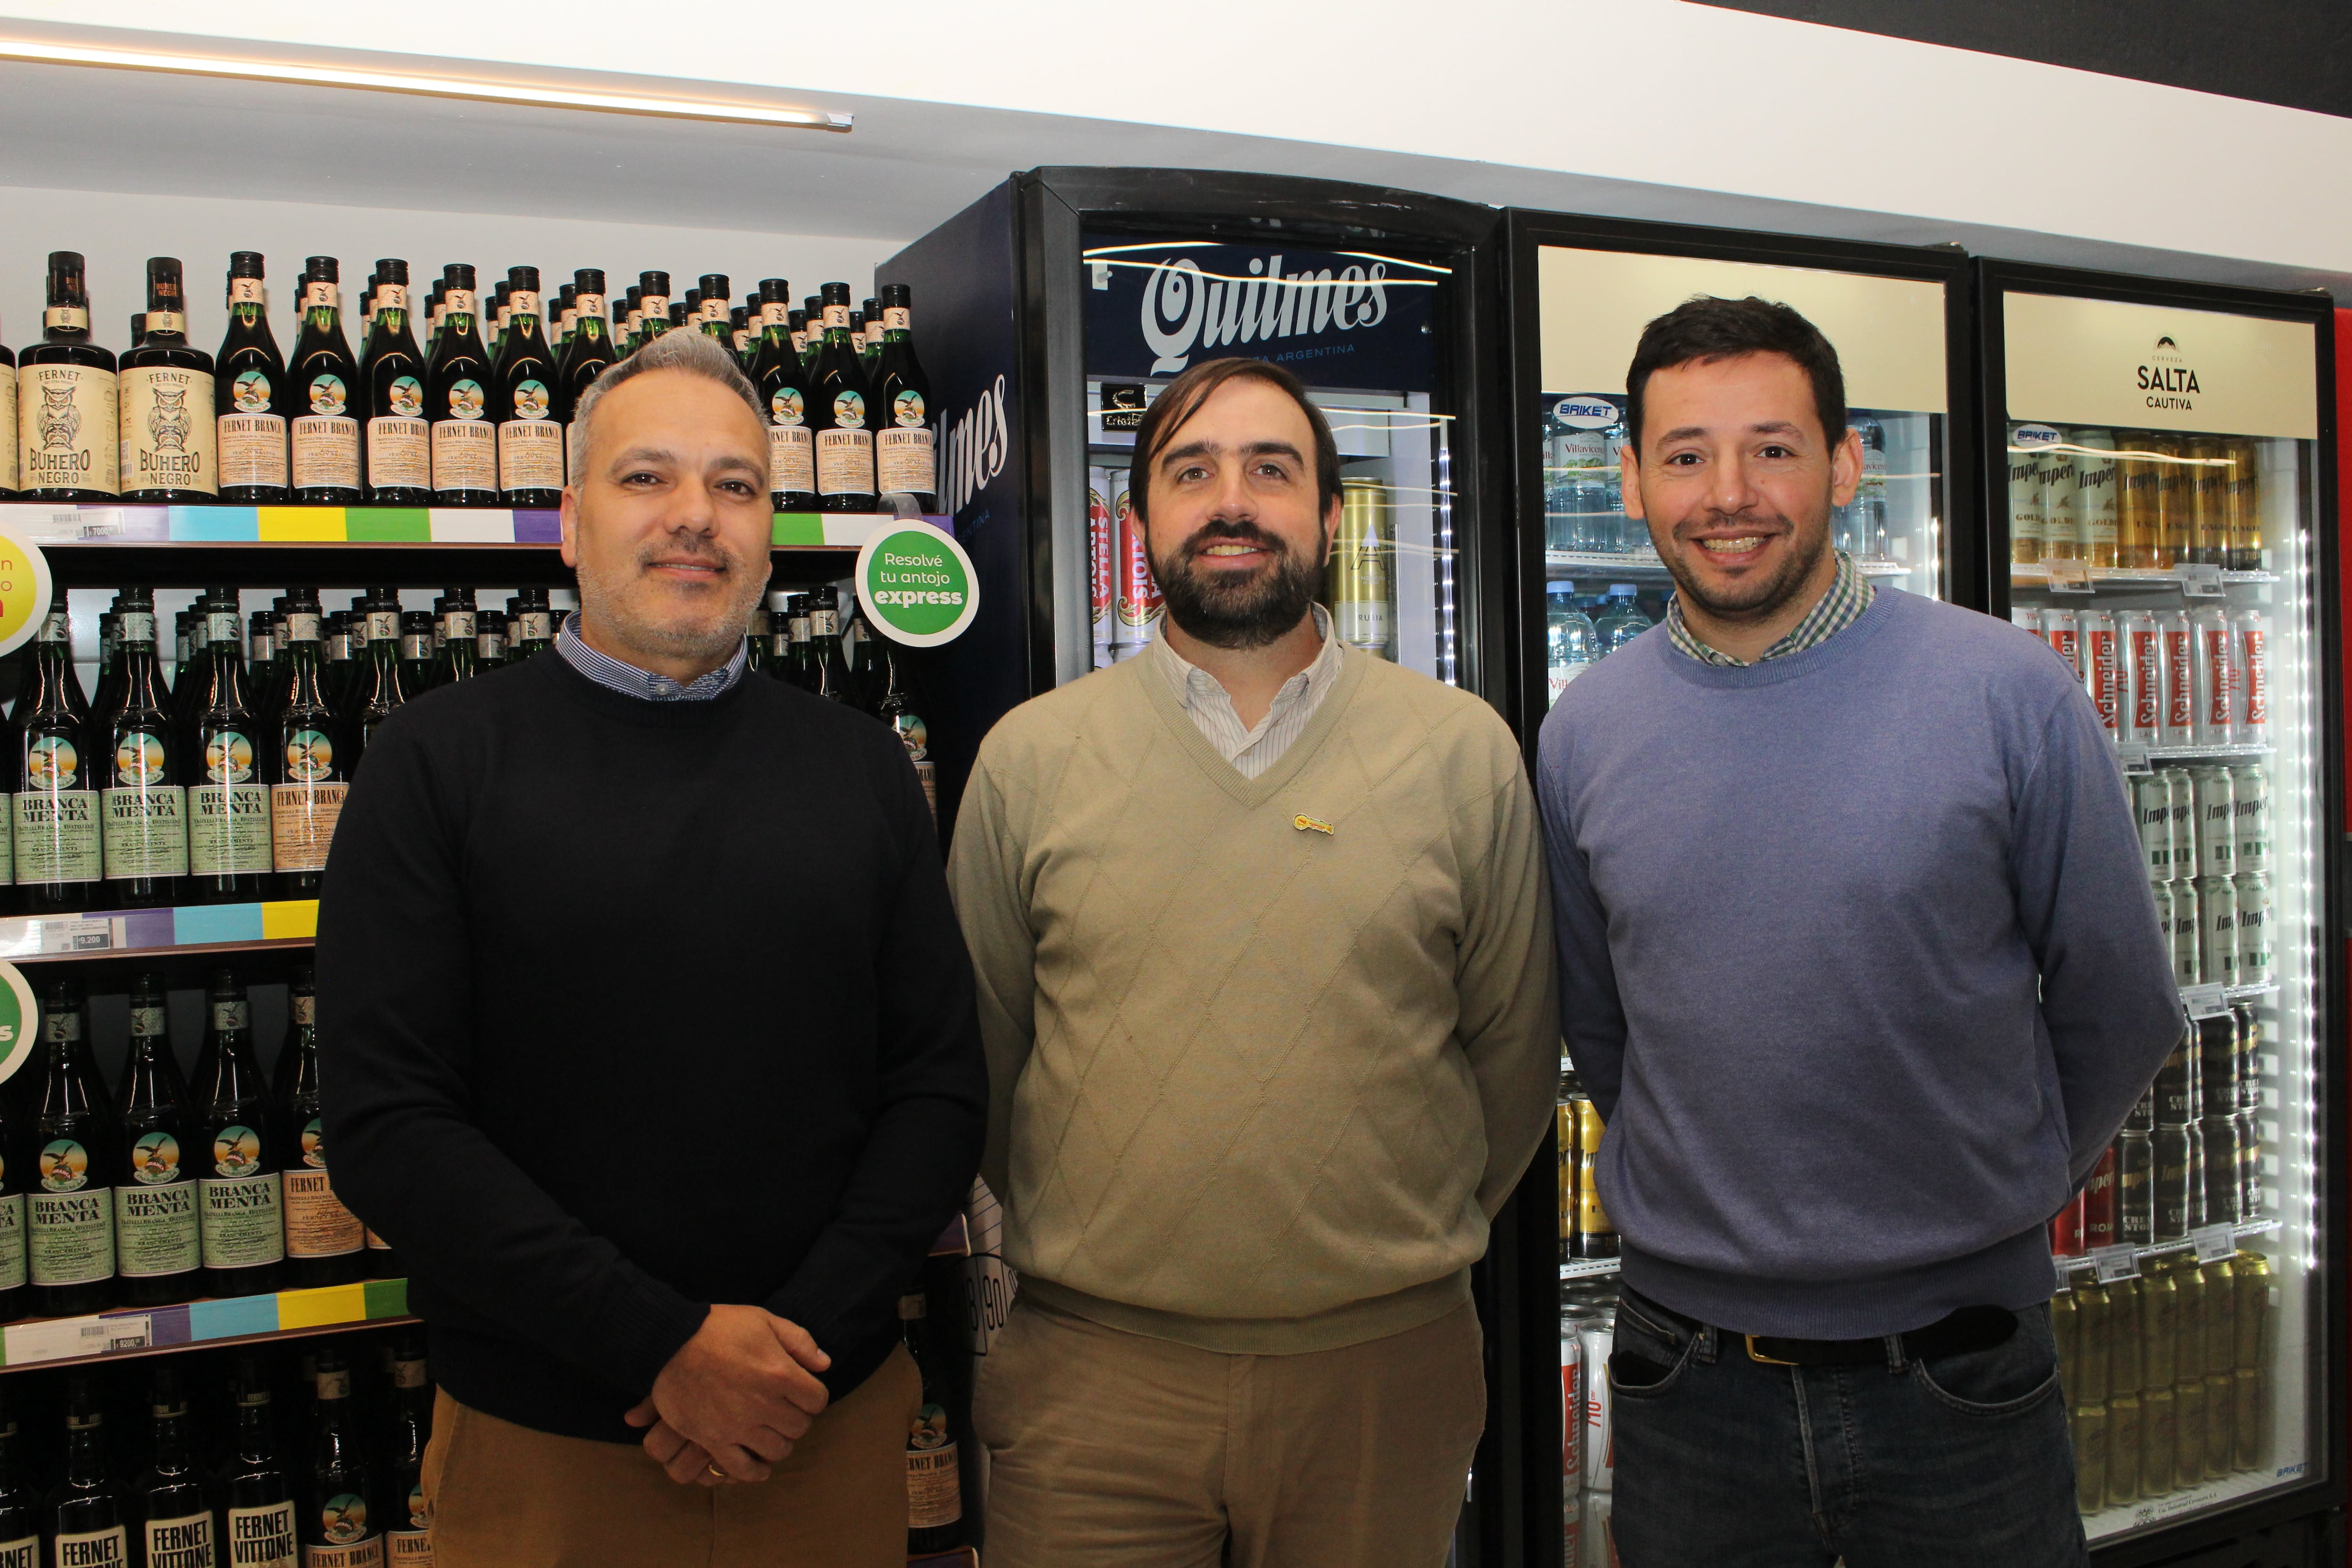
<point x="1962" y="1331"/>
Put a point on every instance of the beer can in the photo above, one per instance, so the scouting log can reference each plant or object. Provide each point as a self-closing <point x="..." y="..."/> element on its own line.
<point x="2251" y="1275"/>
<point x="2092" y="1342"/>
<point x="2220" y="1312"/>
<point x="2142" y="646"/>
<point x="2179" y="1182"/>
<point x="2099" y="1201"/>
<point x="2244" y="504"/>
<point x="2220" y="1424"/>
<point x="1361" y="578"/>
<point x="2141" y="1117"/>
<point x="2062" y="630"/>
<point x="2225" y="1201"/>
<point x="2250" y="631"/>
<point x="2187" y="932"/>
<point x="2139" y="506"/>
<point x="2066" y="1230"/>
<point x="2160" y="1307"/>
<point x="2124" y="1356"/>
<point x="2214" y="680"/>
<point x="2123" y="1450"/>
<point x="2188" y="1321"/>
<point x="1600" y="1439"/>
<point x="2025" y="619"/>
<point x="2249" y="793"/>
<point x="2159" y="1440"/>
<point x="2183" y="793"/>
<point x="1571" y="1401"/>
<point x="1102" y="542"/>
<point x="2062" y="1333"/>
<point x="2215" y="800"/>
<point x="2249" y="1165"/>
<point x="2152" y="804"/>
<point x="2255" y="966"/>
<point x="2028" y="478"/>
<point x="2178" y="1086"/>
<point x="2102" y="666"/>
<point x="2179" y="678"/>
<point x="1564" y="1118"/>
<point x="2135" y="1189"/>
<point x="2251" y="1417"/>
<point x="1596" y="1544"/>
<point x="2217" y="1050"/>
<point x="2207" y="483"/>
<point x="2217" y="903"/>
<point x="2189" y="1430"/>
<point x="2172" y="498"/>
<point x="2088" y="1425"/>
<point x="1594" y="1236"/>
<point x="1138" y="607"/>
<point x="2095" y="513"/>
<point x="2246" y="1051"/>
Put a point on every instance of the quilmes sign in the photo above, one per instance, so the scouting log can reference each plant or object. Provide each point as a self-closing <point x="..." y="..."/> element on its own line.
<point x="1340" y="319"/>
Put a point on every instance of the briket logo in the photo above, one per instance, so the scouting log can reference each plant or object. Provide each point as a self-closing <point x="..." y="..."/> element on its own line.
<point x="1585" y="411"/>
<point x="917" y="584"/>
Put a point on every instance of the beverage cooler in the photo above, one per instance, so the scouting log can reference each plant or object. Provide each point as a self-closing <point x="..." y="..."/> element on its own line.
<point x="1580" y="291"/>
<point x="1056" y="307"/>
<point x="2160" y="484"/>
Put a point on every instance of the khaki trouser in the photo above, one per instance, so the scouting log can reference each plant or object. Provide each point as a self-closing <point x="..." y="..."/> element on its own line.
<point x="503" y="1496"/>
<point x="1108" y="1449"/>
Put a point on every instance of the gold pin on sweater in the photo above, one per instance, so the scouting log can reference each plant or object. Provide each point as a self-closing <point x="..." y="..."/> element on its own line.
<point x="1309" y="825"/>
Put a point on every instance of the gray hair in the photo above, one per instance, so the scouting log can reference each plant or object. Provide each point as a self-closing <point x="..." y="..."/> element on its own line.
<point x="689" y="349"/>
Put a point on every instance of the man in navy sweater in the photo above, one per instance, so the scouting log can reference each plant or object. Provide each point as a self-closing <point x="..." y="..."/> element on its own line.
<point x="1859" y="962"/>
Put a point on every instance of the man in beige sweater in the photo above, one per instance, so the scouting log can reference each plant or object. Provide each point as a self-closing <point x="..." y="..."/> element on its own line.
<point x="1266" y="984"/>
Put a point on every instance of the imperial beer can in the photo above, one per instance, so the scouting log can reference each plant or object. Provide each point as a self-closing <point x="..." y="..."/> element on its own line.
<point x="2140" y="504"/>
<point x="2179" y="1182"/>
<point x="2179" y="678"/>
<point x="2251" y="1274"/>
<point x="2215" y="679"/>
<point x="2166" y="909"/>
<point x="2217" y="821"/>
<point x="2152" y="804"/>
<point x="2102" y="667"/>
<point x="2255" y="960"/>
<point x="2245" y="504"/>
<point x="2066" y="1230"/>
<point x="2094" y="1338"/>
<point x="2189" y="1428"/>
<point x="2095" y="495"/>
<point x="2143" y="678"/>
<point x="2172" y="499"/>
<point x="2160" y="1307"/>
<point x="2159" y="1438"/>
<point x="2217" y="900"/>
<point x="2088" y="1425"/>
<point x="2246" y="1070"/>
<point x="2135" y="1189"/>
<point x="2179" y="1088"/>
<point x="2250" y="1166"/>
<point x="1102" y="550"/>
<point x="1361" y="578"/>
<point x="2124" y="1428"/>
<point x="2249" y="793"/>
<point x="2217" y="1039"/>
<point x="2028" y="478"/>
<point x="2187" y="932"/>
<point x="2207" y="482"/>
<point x="1138" y="607"/>
<point x="2062" y="630"/>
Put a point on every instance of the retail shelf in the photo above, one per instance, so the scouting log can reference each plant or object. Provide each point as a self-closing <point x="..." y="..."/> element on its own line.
<point x="2197" y="1500"/>
<point x="2248" y="992"/>
<point x="1586" y="1267"/>
<point x="192" y="928"/>
<point x="2166" y="1248"/>
<point x="1646" y="563"/>
<point x="2032" y="575"/>
<point x="144" y="1330"/>
<point x="105" y="525"/>
<point x="2202" y="753"/>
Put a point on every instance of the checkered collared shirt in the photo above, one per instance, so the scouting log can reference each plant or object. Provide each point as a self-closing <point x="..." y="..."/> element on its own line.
<point x="645" y="683"/>
<point x="1839" y="608"/>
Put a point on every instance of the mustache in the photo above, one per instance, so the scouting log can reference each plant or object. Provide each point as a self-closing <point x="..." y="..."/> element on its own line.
<point x="692" y="549"/>
<point x="1761" y="521"/>
<point x="1219" y="531"/>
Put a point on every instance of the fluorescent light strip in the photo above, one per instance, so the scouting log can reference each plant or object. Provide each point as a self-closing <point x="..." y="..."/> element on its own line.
<point x="428" y="86"/>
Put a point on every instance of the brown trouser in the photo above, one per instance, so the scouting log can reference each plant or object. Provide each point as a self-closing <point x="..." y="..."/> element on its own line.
<point x="1108" y="1449"/>
<point x="503" y="1496"/>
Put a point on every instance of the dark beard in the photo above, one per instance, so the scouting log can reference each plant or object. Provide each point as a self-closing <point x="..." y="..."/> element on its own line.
<point x="1759" y="601"/>
<point x="1253" y="612"/>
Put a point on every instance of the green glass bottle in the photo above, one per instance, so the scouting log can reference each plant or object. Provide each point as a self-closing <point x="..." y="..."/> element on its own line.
<point x="324" y="1240"/>
<point x="167" y="419"/>
<point x="253" y="397"/>
<point x="310" y="777"/>
<point x="457" y="393"/>
<point x="157" y="1243"/>
<point x="70" y="1223"/>
<point x="377" y="685"/>
<point x="777" y="376"/>
<point x="143" y="804"/>
<point x="88" y="1524"/>
<point x="339" y="1510"/>
<point x="529" y="420"/>
<point x="258" y="1493"/>
<point x="841" y="414"/>
<point x="906" y="439"/>
<point x="229" y="859"/>
<point x="240" y="1197"/>
<point x="57" y="858"/>
<point x="20" y="1502"/>
<point x="324" y="440"/>
<point x="392" y="374"/>
<point x="409" y="1532"/>
<point x="170" y="1502"/>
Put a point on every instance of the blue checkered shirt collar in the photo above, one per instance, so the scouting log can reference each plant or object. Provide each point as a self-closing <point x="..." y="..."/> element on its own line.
<point x="632" y="681"/>
<point x="1839" y="608"/>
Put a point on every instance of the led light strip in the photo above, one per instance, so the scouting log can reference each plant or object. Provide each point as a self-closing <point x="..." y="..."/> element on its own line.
<point x="428" y="86"/>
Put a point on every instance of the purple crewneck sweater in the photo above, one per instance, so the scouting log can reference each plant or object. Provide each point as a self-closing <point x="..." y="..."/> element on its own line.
<point x="1858" y="960"/>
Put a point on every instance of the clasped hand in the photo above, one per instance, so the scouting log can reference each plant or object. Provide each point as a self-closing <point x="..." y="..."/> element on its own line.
<point x="735" y="1397"/>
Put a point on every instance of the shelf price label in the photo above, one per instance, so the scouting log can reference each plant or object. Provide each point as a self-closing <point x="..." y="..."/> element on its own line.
<point x="2134" y="758"/>
<point x="2214" y="1243"/>
<point x="2199" y="580"/>
<point x="2205" y="1001"/>
<point x="917" y="584"/>
<point x="2068" y="577"/>
<point x="2109" y="1264"/>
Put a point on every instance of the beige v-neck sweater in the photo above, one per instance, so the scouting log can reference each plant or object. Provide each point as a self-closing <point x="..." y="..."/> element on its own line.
<point x="1265" y="1055"/>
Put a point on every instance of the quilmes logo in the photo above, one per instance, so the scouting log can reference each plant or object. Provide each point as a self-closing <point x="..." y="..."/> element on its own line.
<point x="1186" y="311"/>
<point x="973" y="450"/>
<point x="2167" y="378"/>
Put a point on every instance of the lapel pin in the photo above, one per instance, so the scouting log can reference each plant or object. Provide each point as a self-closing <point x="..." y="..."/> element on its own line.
<point x="1309" y="825"/>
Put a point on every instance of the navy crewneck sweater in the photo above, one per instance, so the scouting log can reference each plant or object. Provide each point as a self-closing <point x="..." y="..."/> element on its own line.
<point x="1858" y="960"/>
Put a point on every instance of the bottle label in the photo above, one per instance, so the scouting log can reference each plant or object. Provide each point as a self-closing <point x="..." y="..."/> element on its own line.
<point x="262" y="1537"/>
<point x="221" y="626"/>
<point x="417" y="645"/>
<point x="538" y="626"/>
<point x="99" y="1549"/>
<point x="367" y="1553"/>
<point x="68" y="433"/>
<point x="155" y="1226"/>
<point x="242" y="1221"/>
<point x="184" y="1543"/>
<point x="147" y="1024"/>
<point x="232" y="1014"/>
<point x="146" y="824"/>
<point x="898" y="319"/>
<point x="167" y="322"/>
<point x="8" y="470"/>
<point x="168" y="430"/>
<point x="845" y="462"/>
<point x="489" y="647"/>
<point x="11" y="1263"/>
<point x="57" y="833"/>
<point x="792" y="455"/>
<point x="934" y="1490"/>
<point x="410" y="1548"/>
<point x="586" y="305"/>
<point x="465" y="449"/>
<point x="252" y="446"/>
<point x="836" y="316"/>
<point x="823" y="623"/>
<point x="458" y="626"/>
<point x="25" y="1553"/>
<point x="410" y="1375"/>
<point x="302" y="817"/>
<point x="66" y="319"/>
<point x="72" y="1232"/>
<point x="317" y="1223"/>
<point x="318" y="292"/>
<point x="530" y="448"/>
<point x="902" y="460"/>
<point x="302" y="626"/>
<point x="228" y="826"/>
<point x="399" y="452"/>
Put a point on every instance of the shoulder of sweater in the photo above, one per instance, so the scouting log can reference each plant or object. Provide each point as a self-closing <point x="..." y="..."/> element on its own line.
<point x="1390" y="693"/>
<point x="1048" y="724"/>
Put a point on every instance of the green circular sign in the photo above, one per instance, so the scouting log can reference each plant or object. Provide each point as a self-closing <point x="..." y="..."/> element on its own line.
<point x="916" y="584"/>
<point x="20" y="1022"/>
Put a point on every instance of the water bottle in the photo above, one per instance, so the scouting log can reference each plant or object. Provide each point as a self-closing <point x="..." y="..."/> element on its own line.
<point x="1570" y="643"/>
<point x="1868" y="529"/>
<point x="1621" y="535"/>
<point x="1622" y="621"/>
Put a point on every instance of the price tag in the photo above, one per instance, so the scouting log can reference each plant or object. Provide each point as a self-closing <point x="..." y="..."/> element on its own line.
<point x="77" y="935"/>
<point x="2109" y="1264"/>
<point x="2133" y="756"/>
<point x="2068" y="577"/>
<point x="2214" y="1243"/>
<point x="2063" y="1268"/>
<point x="2199" y="582"/>
<point x="2205" y="1001"/>
<point x="128" y="1331"/>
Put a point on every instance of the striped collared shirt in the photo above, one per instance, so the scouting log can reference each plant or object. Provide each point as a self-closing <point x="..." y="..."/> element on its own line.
<point x="1252" y="751"/>
<point x="1839" y="608"/>
<point x="634" y="683"/>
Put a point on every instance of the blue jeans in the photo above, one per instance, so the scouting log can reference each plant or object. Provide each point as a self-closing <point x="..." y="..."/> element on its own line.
<point x="1723" y="1461"/>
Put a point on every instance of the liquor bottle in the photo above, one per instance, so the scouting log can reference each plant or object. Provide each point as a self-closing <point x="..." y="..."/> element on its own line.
<point x="490" y="640"/>
<point x="739" y="333"/>
<point x="336" y="654"/>
<point x="68" y="433"/>
<point x="782" y="386"/>
<point x="157" y="1246"/>
<point x="798" y="320"/>
<point x="106" y="691"/>
<point x="501" y="310"/>
<point x="416" y="632"/>
<point x="780" y="637"/>
<point x="255" y="1486"/>
<point x="377" y="687"/>
<point x="88" y="1525"/>
<point x="17" y="1106"/>
<point x="255" y="398"/>
<point x="863" y="653"/>
<point x="865" y="333"/>
<point x="55" y="817"/>
<point x="409" y="1532"/>
<point x="237" y="1189"/>
<point x="799" y="666"/>
<point x="264" y="668"/>
<point x="894" y="710"/>
<point x="457" y="384"/>
<point x="228" y="805"/>
<point x="323" y="1239"/>
<point x="192" y="658"/>
<point x="567" y="316"/>
<point x="934" y="1483"/>
<point x="340" y="1525"/>
<point x="828" y="672"/>
<point x="8" y="482"/>
<point x="69" y="1237"/>
<point x="838" y="412"/>
<point x="457" y="658"/>
<point x="391" y="377"/>
<point x="170" y="1499"/>
<point x="653" y="307"/>
<point x="538" y="629"/>
<point x="20" y="1503"/>
<point x="142" y="803"/>
<point x="325" y="437"/>
<point x="677" y="314"/>
<point x="710" y="320"/>
<point x="530" y="428"/>
<point x="584" y="358"/>
<point x="167" y="414"/>
<point x="307" y="794"/>
<point x="906" y="443"/>
<point x="632" y="319"/>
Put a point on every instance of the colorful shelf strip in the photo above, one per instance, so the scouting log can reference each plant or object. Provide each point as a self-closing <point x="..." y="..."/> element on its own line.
<point x="365" y="525"/>
<point x="200" y="1322"/>
<point x="145" y="931"/>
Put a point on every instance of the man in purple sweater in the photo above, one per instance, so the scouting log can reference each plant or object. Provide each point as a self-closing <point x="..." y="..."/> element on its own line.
<point x="1860" y="965"/>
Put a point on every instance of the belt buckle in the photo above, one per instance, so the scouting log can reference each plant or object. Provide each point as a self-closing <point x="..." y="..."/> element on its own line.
<point x="1755" y="1356"/>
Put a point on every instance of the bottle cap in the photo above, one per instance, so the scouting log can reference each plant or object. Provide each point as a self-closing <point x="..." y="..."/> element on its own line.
<point x="837" y="293"/>
<point x="589" y="280"/>
<point x="654" y="282"/>
<point x="458" y="275"/>
<point x="523" y="277"/>
<point x="897" y="294"/>
<point x="245" y="263"/>
<point x="322" y="269"/>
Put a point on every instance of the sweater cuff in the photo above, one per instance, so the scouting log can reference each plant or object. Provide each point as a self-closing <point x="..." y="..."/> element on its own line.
<point x="639" y="1330"/>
